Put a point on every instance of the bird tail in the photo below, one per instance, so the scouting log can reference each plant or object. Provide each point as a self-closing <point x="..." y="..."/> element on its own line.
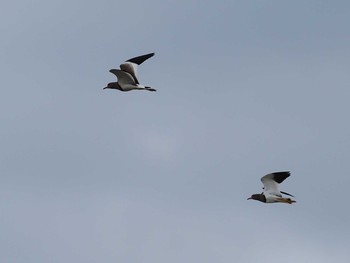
<point x="150" y="89"/>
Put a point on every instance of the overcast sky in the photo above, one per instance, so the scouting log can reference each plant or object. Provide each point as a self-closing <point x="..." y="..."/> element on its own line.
<point x="244" y="88"/>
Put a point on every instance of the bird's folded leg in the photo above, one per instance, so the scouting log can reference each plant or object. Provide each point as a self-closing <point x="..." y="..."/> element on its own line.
<point x="286" y="200"/>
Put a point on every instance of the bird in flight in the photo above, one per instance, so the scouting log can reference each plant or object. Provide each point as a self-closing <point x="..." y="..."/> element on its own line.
<point x="126" y="75"/>
<point x="271" y="193"/>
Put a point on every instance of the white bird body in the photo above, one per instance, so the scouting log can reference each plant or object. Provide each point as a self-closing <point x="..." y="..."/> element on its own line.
<point x="274" y="198"/>
<point x="126" y="81"/>
<point x="126" y="75"/>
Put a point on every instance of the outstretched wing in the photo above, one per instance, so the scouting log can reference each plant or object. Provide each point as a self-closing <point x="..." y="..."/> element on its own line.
<point x="124" y="78"/>
<point x="140" y="59"/>
<point x="130" y="65"/>
<point x="287" y="194"/>
<point x="271" y="182"/>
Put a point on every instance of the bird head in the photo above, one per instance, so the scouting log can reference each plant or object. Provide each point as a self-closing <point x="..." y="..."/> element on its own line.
<point x="113" y="85"/>
<point x="258" y="197"/>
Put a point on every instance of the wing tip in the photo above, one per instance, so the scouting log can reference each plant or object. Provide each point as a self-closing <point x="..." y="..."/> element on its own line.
<point x="279" y="177"/>
<point x="140" y="59"/>
<point x="149" y="54"/>
<point x="282" y="172"/>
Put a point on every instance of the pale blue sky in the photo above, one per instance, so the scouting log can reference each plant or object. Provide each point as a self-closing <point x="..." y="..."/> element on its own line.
<point x="244" y="88"/>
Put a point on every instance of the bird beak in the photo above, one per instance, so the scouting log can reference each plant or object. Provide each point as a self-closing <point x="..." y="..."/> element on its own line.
<point x="105" y="88"/>
<point x="249" y="198"/>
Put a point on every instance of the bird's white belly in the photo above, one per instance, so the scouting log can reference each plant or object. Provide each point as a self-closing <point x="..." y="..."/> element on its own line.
<point x="128" y="87"/>
<point x="272" y="198"/>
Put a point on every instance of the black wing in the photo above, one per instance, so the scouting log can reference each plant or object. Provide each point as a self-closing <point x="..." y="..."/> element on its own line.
<point x="140" y="59"/>
<point x="279" y="177"/>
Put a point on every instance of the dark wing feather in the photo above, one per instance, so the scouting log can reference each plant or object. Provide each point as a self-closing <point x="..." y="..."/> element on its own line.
<point x="287" y="194"/>
<point x="140" y="59"/>
<point x="279" y="177"/>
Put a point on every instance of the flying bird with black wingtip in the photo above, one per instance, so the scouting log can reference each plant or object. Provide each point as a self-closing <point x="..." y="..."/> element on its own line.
<point x="271" y="193"/>
<point x="126" y="75"/>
